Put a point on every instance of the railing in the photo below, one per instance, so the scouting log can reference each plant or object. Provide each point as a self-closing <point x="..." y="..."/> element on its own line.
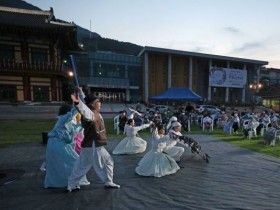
<point x="40" y="67"/>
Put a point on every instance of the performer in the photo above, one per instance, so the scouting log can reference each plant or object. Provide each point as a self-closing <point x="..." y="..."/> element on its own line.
<point x="132" y="112"/>
<point x="60" y="153"/>
<point x="170" y="121"/>
<point x="93" y="153"/>
<point x="155" y="162"/>
<point x="79" y="133"/>
<point x="174" y="151"/>
<point x="131" y="144"/>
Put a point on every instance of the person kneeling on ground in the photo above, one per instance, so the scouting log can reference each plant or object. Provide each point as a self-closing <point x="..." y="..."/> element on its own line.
<point x="170" y="149"/>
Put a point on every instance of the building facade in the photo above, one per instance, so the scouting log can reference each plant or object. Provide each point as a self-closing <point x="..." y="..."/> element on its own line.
<point x="113" y="77"/>
<point x="267" y="88"/>
<point x="32" y="47"/>
<point x="165" y="68"/>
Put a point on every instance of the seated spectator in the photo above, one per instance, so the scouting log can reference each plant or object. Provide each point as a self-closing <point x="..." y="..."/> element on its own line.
<point x="228" y="126"/>
<point x="269" y="136"/>
<point x="252" y="125"/>
<point x="222" y="120"/>
<point x="264" y="122"/>
<point x="207" y="122"/>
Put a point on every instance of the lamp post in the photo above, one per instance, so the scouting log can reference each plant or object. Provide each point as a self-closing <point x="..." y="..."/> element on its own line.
<point x="70" y="74"/>
<point x="255" y="87"/>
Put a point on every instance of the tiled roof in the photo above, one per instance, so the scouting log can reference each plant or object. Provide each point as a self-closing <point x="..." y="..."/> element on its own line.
<point x="31" y="18"/>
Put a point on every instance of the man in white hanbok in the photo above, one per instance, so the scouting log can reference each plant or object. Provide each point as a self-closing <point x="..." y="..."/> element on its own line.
<point x="132" y="144"/>
<point x="93" y="153"/>
<point x="155" y="162"/>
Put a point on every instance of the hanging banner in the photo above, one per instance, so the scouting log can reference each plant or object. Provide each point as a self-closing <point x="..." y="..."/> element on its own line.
<point x="225" y="77"/>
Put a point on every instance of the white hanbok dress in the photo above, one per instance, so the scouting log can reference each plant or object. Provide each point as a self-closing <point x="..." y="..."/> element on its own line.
<point x="171" y="149"/>
<point x="131" y="144"/>
<point x="155" y="162"/>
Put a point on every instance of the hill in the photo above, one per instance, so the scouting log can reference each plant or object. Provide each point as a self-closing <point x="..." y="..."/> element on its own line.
<point x="92" y="41"/>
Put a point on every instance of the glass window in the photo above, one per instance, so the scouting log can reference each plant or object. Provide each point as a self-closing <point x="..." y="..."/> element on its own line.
<point x="41" y="93"/>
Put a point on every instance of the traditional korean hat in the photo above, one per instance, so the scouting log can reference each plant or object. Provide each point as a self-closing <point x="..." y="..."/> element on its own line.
<point x="176" y="124"/>
<point x="91" y="99"/>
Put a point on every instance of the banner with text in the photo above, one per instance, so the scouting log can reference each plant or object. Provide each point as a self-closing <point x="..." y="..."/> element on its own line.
<point x="225" y="77"/>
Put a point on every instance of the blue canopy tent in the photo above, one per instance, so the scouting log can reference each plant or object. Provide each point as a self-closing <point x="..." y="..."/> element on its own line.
<point x="177" y="94"/>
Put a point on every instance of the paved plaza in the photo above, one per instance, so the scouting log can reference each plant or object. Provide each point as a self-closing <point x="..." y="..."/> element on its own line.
<point x="235" y="178"/>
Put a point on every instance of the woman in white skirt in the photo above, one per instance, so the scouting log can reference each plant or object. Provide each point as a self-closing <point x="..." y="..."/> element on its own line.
<point x="131" y="144"/>
<point x="155" y="162"/>
<point x="171" y="149"/>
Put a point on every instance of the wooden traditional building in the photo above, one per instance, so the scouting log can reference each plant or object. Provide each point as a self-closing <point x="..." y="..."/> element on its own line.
<point x="33" y="45"/>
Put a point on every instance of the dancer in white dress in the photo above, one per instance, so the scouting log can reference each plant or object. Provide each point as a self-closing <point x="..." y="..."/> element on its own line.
<point x="155" y="162"/>
<point x="131" y="144"/>
<point x="171" y="120"/>
<point x="174" y="151"/>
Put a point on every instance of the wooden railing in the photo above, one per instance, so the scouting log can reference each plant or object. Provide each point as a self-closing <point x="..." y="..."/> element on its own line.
<point x="38" y="67"/>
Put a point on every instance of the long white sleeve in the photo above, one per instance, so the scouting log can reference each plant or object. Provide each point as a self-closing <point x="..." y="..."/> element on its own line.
<point x="132" y="131"/>
<point x="85" y="111"/>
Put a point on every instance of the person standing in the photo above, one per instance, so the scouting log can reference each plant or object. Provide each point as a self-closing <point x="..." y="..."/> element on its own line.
<point x="236" y="123"/>
<point x="93" y="153"/>
<point x="60" y="153"/>
<point x="132" y="144"/>
<point x="189" y="109"/>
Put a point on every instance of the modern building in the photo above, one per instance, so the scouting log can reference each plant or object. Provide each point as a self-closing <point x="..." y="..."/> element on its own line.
<point x="267" y="88"/>
<point x="217" y="78"/>
<point x="113" y="77"/>
<point x="33" y="44"/>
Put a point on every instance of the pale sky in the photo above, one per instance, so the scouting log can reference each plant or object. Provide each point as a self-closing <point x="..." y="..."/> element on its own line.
<point x="238" y="28"/>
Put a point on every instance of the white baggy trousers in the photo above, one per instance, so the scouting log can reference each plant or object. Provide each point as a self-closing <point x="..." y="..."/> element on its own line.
<point x="96" y="157"/>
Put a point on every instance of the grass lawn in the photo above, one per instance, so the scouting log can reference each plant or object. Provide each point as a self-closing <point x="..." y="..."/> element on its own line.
<point x="24" y="131"/>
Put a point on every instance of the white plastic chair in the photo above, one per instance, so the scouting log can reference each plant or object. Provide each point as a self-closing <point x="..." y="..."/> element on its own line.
<point x="211" y="125"/>
<point x="253" y="130"/>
